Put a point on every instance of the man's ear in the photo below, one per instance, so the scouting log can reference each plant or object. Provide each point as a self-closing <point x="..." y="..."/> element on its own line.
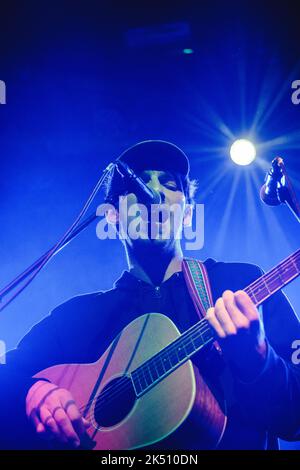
<point x="112" y="215"/>
<point x="188" y="215"/>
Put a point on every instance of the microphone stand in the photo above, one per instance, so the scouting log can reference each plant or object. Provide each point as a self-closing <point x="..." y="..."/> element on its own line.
<point x="287" y="193"/>
<point x="71" y="233"/>
<point x="22" y="276"/>
<point x="288" y="196"/>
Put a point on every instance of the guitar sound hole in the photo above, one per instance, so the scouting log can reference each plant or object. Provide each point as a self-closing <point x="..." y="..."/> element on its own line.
<point x="115" y="402"/>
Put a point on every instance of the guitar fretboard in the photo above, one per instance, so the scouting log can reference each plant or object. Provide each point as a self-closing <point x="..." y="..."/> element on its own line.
<point x="199" y="335"/>
<point x="273" y="280"/>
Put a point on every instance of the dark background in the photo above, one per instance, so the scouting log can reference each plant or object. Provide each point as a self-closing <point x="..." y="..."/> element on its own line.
<point x="87" y="79"/>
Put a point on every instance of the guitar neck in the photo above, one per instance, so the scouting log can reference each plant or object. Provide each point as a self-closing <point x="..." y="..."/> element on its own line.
<point x="200" y="334"/>
<point x="270" y="282"/>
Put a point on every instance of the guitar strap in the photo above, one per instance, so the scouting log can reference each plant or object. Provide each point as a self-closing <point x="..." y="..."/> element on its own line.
<point x="197" y="281"/>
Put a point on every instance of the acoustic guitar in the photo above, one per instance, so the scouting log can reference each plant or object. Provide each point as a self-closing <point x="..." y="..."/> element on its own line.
<point x="145" y="392"/>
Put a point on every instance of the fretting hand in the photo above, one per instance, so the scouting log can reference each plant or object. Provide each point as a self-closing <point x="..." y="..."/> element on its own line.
<point x="236" y="323"/>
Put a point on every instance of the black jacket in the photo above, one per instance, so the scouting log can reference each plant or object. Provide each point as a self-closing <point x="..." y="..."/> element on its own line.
<point x="81" y="329"/>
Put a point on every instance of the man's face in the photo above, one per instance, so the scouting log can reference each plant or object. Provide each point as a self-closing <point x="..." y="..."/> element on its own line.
<point x="160" y="224"/>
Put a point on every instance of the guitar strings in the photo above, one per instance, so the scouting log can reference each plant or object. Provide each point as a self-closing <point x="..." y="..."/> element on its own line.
<point x="273" y="273"/>
<point x="195" y="335"/>
<point x="264" y="289"/>
<point x="200" y="328"/>
<point x="118" y="390"/>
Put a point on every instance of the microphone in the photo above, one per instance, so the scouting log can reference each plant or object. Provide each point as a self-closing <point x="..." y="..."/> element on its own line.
<point x="270" y="191"/>
<point x="137" y="185"/>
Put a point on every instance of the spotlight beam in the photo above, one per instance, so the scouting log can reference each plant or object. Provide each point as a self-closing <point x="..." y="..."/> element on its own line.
<point x="242" y="152"/>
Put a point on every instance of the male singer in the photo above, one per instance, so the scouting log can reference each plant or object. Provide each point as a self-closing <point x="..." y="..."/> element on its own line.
<point x="260" y="383"/>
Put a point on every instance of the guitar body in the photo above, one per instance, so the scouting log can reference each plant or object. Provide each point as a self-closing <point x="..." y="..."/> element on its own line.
<point x="180" y="411"/>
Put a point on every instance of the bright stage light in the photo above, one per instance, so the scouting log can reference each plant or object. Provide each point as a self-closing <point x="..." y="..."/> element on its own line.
<point x="242" y="152"/>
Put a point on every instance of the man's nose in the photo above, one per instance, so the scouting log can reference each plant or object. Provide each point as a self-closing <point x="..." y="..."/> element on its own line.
<point x="156" y="186"/>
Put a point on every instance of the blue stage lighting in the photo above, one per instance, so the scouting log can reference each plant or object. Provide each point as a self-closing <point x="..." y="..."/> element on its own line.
<point x="242" y="152"/>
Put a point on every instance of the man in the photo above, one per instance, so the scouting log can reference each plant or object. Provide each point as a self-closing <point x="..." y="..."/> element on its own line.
<point x="260" y="384"/>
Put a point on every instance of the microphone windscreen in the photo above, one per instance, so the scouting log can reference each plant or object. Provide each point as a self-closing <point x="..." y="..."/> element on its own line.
<point x="269" y="197"/>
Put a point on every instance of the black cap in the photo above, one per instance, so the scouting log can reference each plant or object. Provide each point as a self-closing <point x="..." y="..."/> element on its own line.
<point x="156" y="155"/>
